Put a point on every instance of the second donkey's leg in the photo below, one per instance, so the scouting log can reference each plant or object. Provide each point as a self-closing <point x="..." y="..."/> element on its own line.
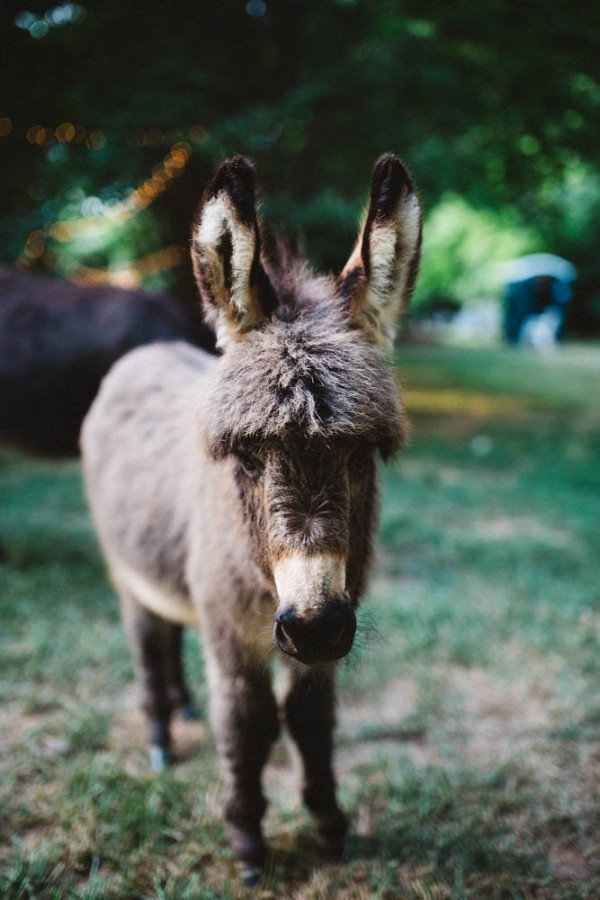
<point x="310" y="718"/>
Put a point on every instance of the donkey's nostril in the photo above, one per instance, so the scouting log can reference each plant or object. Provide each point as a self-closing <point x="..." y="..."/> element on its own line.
<point x="282" y="637"/>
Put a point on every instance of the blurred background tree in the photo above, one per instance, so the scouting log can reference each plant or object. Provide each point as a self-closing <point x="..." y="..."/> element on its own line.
<point x="114" y="114"/>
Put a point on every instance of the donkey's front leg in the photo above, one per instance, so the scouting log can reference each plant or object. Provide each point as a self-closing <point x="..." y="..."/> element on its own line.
<point x="244" y="719"/>
<point x="309" y="715"/>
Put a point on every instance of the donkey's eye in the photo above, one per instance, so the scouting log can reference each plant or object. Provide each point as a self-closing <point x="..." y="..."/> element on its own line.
<point x="250" y="464"/>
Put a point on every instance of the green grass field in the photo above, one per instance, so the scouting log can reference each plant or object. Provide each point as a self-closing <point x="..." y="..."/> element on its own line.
<point x="469" y="712"/>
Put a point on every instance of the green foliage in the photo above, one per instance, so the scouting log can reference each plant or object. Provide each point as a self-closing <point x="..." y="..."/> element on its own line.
<point x="569" y="222"/>
<point x="106" y="244"/>
<point x="314" y="94"/>
<point x="463" y="248"/>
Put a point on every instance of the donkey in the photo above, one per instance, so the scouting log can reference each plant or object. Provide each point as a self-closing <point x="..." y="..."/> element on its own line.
<point x="238" y="493"/>
<point x="58" y="340"/>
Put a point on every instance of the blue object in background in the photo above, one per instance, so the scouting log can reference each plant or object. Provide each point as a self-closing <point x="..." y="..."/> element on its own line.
<point x="537" y="297"/>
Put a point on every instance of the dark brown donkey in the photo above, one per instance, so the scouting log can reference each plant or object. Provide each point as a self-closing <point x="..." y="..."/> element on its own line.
<point x="237" y="494"/>
<point x="58" y="340"/>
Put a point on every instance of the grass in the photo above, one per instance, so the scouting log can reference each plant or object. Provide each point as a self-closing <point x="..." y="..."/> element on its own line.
<point x="469" y="711"/>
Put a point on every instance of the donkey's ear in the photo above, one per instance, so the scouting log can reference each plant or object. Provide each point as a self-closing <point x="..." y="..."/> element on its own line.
<point x="379" y="277"/>
<point x="226" y="252"/>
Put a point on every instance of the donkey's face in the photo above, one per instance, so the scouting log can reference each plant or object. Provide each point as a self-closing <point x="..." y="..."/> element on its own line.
<point x="301" y="498"/>
<point x="302" y="402"/>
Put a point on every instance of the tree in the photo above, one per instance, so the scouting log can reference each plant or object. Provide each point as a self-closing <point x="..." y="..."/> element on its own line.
<point x="497" y="105"/>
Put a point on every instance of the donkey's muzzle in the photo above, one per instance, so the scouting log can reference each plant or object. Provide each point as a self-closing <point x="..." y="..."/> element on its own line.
<point x="318" y="635"/>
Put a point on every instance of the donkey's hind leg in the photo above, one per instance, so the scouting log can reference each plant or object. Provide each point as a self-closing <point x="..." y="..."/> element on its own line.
<point x="150" y="637"/>
<point x="179" y="694"/>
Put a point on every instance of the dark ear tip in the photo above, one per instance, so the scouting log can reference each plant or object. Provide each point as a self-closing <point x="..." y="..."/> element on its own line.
<point x="235" y="173"/>
<point x="391" y="178"/>
<point x="390" y="164"/>
<point x="239" y="164"/>
<point x="236" y="177"/>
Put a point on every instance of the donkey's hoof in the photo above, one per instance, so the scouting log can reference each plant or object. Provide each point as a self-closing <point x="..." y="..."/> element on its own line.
<point x="250" y="875"/>
<point x="332" y="836"/>
<point x="250" y="854"/>
<point x="160" y="758"/>
<point x="189" y="712"/>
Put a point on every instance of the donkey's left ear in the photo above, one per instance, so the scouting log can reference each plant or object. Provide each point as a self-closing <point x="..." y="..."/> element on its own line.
<point x="226" y="252"/>
<point x="379" y="277"/>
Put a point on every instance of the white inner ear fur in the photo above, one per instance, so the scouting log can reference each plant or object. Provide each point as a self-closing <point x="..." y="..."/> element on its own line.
<point x="237" y="309"/>
<point x="392" y="245"/>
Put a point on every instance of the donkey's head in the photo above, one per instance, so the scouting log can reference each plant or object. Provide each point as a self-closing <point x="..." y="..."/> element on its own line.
<point x="302" y="400"/>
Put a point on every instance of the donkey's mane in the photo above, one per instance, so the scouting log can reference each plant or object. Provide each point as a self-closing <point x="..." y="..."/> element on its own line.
<point x="295" y="287"/>
<point x="306" y="373"/>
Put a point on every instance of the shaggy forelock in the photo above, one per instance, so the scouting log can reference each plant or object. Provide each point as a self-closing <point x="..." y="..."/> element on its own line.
<point x="314" y="377"/>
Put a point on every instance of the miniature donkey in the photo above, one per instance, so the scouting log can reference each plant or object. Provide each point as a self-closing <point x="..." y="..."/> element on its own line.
<point x="237" y="493"/>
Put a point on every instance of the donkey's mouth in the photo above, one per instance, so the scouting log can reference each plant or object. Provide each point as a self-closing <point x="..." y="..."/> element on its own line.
<point x="318" y="637"/>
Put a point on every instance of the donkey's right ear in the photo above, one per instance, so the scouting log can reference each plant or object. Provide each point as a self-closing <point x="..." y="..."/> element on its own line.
<point x="226" y="252"/>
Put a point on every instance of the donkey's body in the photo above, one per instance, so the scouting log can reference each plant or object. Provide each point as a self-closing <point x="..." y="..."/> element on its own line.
<point x="238" y="493"/>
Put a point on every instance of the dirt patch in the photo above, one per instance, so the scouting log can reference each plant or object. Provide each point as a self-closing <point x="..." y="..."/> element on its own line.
<point x="387" y="726"/>
<point x="394" y="702"/>
<point x="567" y="862"/>
<point x="499" y="720"/>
